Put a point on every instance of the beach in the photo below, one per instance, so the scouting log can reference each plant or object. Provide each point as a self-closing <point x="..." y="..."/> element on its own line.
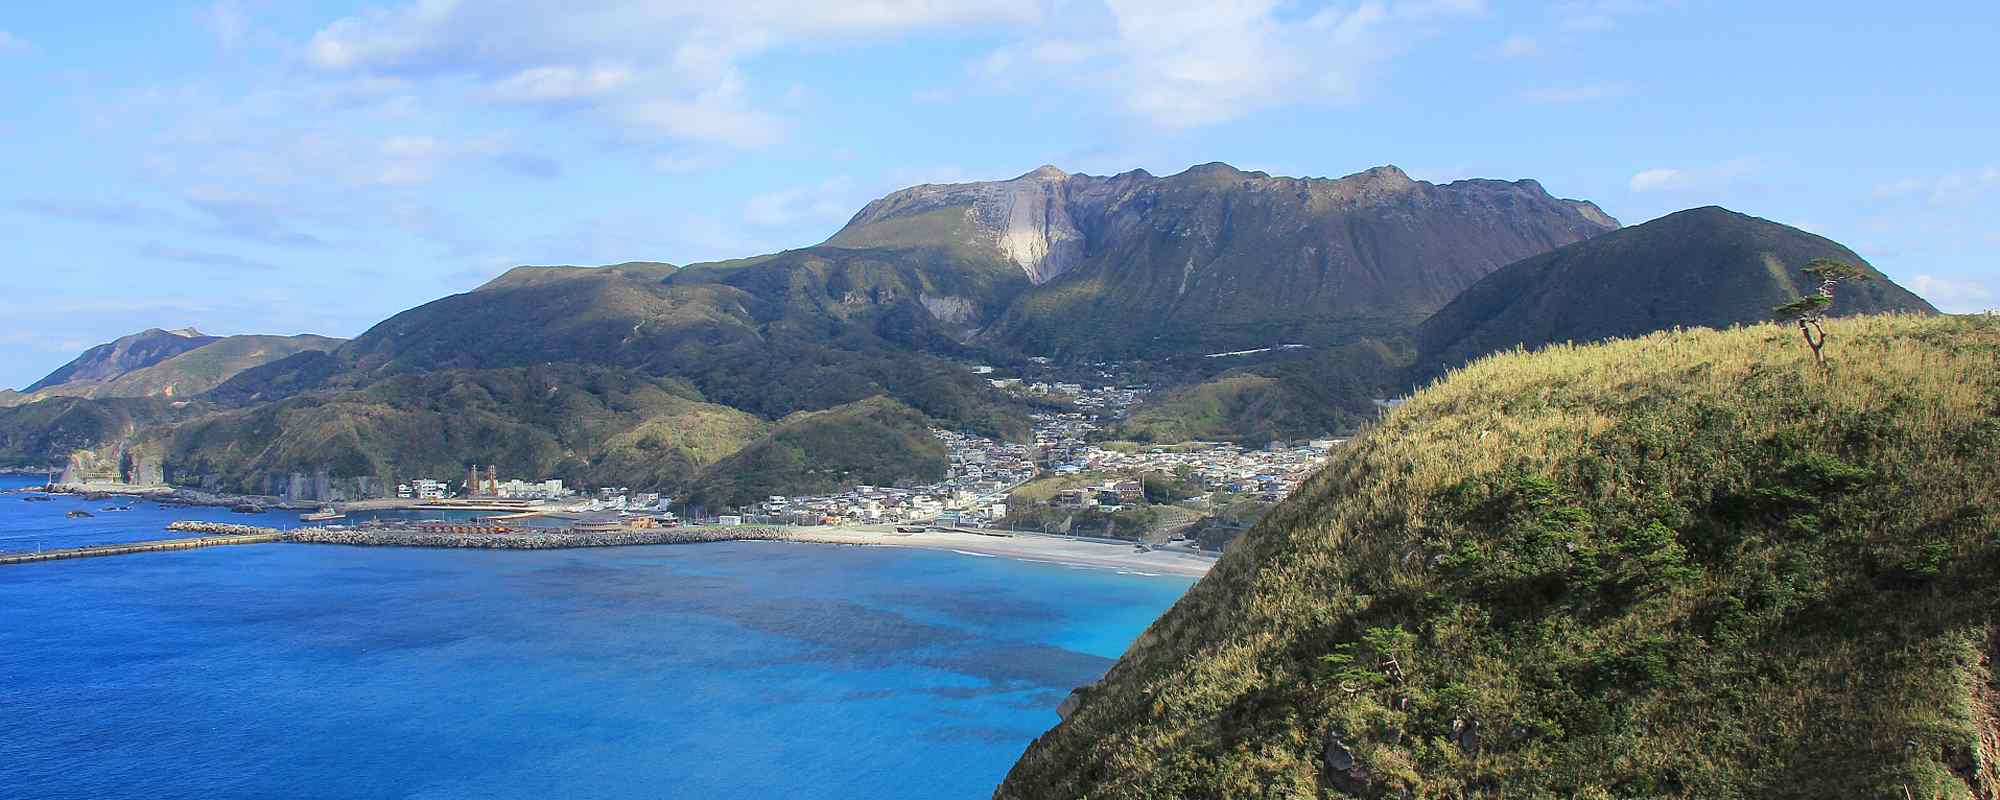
<point x="1025" y="547"/>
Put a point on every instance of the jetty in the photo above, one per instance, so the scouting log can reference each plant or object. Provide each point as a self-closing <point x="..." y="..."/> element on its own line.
<point x="215" y="535"/>
<point x="528" y="538"/>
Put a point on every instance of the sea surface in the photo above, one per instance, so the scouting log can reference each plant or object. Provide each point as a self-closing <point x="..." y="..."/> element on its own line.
<point x="736" y="670"/>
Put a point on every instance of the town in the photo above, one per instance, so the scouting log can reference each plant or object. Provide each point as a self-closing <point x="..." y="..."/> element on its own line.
<point x="979" y="486"/>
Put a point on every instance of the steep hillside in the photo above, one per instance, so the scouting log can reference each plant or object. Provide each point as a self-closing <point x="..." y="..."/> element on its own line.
<point x="1313" y="394"/>
<point x="198" y="370"/>
<point x="1216" y="258"/>
<point x="1705" y="266"/>
<point x="42" y="434"/>
<point x="800" y="333"/>
<point x="876" y="441"/>
<point x="1686" y="565"/>
<point x="122" y="355"/>
<point x="531" y="422"/>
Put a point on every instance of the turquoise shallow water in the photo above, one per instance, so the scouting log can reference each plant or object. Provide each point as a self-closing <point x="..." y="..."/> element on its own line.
<point x="735" y="670"/>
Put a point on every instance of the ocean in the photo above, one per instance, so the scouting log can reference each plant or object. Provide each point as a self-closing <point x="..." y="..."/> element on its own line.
<point x="736" y="670"/>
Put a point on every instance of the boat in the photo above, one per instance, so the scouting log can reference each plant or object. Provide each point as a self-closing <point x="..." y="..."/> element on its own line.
<point x="79" y="514"/>
<point x="36" y="498"/>
<point x="247" y="508"/>
<point x="324" y="514"/>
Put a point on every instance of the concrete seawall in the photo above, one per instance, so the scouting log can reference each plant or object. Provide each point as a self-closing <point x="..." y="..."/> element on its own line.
<point x="158" y="545"/>
<point x="532" y="540"/>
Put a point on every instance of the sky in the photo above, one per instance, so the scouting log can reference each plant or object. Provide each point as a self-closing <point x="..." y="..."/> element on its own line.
<point x="315" y="167"/>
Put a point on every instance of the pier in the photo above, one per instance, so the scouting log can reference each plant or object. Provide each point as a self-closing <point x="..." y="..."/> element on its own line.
<point x="154" y="546"/>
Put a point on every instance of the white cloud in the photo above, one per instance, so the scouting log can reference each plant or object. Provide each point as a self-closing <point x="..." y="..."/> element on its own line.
<point x="1952" y="294"/>
<point x="1186" y="63"/>
<point x="1519" y="45"/>
<point x="13" y="45"/>
<point x="830" y="202"/>
<point x="227" y="21"/>
<point x="1572" y="20"/>
<point x="561" y="82"/>
<point x="1676" y="179"/>
<point x="664" y="69"/>
<point x="1951" y="189"/>
<point x="1595" y="16"/>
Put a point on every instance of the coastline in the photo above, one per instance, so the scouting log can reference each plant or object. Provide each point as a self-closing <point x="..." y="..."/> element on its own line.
<point x="1023" y="547"/>
<point x="1039" y="549"/>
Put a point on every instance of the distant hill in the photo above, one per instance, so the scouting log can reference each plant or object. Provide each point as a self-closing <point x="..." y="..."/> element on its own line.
<point x="1706" y="266"/>
<point x="198" y="370"/>
<point x="562" y="420"/>
<point x="122" y="355"/>
<point x="1315" y="393"/>
<point x="876" y="441"/>
<point x="1684" y="565"/>
<point x="1215" y="258"/>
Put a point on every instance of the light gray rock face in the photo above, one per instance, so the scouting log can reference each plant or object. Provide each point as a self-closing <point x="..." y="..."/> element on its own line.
<point x="1026" y="220"/>
<point x="1046" y="220"/>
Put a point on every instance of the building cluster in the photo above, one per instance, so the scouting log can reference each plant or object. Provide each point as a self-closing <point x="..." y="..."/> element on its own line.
<point x="1267" y="473"/>
<point x="974" y="491"/>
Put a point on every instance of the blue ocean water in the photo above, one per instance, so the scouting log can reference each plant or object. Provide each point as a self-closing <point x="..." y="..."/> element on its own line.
<point x="740" y="670"/>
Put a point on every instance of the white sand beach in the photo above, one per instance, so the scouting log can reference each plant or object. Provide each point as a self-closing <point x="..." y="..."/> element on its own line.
<point x="1047" y="549"/>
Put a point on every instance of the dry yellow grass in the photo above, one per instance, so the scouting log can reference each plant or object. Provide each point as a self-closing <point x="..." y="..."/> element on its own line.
<point x="1684" y="565"/>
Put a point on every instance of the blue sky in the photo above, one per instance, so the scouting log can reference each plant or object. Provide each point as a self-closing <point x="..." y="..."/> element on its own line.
<point x="253" y="167"/>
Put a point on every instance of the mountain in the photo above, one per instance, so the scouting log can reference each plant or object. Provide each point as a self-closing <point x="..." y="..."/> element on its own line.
<point x="1215" y="258"/>
<point x="122" y="355"/>
<point x="195" y="371"/>
<point x="1706" y="266"/>
<point x="1686" y="565"/>
<point x="772" y="337"/>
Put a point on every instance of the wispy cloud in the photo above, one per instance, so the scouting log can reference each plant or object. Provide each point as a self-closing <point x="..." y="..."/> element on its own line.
<point x="1952" y="294"/>
<point x="829" y="202"/>
<point x="1950" y="189"/>
<point x="670" y="70"/>
<point x="11" y="45"/>
<point x="1181" y="63"/>
<point x="1565" y="23"/>
<point x="1682" y="179"/>
<point x="166" y="252"/>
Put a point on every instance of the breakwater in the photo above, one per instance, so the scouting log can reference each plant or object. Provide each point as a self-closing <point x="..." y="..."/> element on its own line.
<point x="251" y="536"/>
<point x="531" y="539"/>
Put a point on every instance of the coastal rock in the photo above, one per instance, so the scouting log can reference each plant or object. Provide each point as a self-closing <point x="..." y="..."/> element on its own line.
<point x="1075" y="700"/>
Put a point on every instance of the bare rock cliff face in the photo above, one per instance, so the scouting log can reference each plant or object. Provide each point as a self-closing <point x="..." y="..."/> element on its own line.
<point x="1219" y="257"/>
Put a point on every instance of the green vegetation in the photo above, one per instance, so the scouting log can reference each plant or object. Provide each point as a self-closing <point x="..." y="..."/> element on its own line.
<point x="876" y="441"/>
<point x="191" y="373"/>
<point x="1649" y="568"/>
<point x="1313" y="394"/>
<point x="124" y="354"/>
<point x="563" y="421"/>
<point x="1809" y="312"/>
<point x="1703" y="267"/>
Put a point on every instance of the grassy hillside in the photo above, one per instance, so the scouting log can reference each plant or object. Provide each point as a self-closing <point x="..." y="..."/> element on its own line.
<point x="44" y="433"/>
<point x="124" y="354"/>
<point x="1706" y="266"/>
<point x="196" y="371"/>
<point x="578" y="423"/>
<point x="1314" y="394"/>
<point x="1686" y="565"/>
<point x="876" y="441"/>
